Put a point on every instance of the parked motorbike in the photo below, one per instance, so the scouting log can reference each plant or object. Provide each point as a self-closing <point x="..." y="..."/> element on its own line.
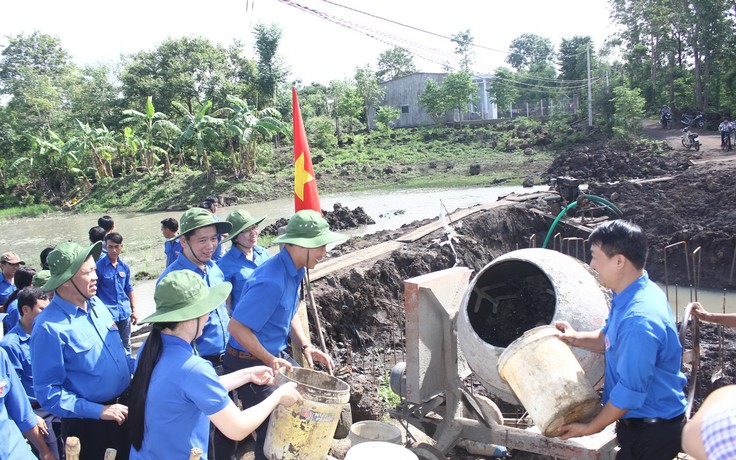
<point x="690" y="140"/>
<point x="665" y="119"/>
<point x="697" y="120"/>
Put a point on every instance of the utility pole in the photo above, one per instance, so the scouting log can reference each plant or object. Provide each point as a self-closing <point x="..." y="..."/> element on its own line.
<point x="590" y="93"/>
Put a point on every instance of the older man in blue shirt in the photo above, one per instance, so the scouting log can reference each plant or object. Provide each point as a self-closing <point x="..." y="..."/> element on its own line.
<point x="644" y="386"/>
<point x="244" y="256"/>
<point x="81" y="371"/>
<point x="265" y="316"/>
<point x="9" y="264"/>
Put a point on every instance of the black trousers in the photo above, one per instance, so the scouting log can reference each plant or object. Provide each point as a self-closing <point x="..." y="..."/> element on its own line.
<point x="659" y="441"/>
<point x="251" y="394"/>
<point x="96" y="436"/>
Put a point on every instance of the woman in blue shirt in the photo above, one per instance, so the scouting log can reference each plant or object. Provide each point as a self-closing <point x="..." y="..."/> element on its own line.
<point x="175" y="393"/>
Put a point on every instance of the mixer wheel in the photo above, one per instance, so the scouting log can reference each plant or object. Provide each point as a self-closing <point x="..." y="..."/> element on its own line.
<point x="427" y="452"/>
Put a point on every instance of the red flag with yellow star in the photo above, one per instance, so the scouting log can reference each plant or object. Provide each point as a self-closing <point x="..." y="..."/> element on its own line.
<point x="305" y="185"/>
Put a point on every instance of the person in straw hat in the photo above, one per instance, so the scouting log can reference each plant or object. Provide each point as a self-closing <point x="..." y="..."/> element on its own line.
<point x="9" y="264"/>
<point x="81" y="371"/>
<point x="174" y="392"/>
<point x="244" y="255"/>
<point x="265" y="316"/>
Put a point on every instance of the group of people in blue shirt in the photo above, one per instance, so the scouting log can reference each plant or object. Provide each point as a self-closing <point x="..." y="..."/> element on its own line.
<point x="180" y="396"/>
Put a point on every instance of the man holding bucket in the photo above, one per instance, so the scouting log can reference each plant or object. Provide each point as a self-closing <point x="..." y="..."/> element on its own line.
<point x="644" y="387"/>
<point x="265" y="316"/>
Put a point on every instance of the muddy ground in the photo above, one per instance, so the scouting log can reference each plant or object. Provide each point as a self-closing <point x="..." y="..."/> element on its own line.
<point x="362" y="307"/>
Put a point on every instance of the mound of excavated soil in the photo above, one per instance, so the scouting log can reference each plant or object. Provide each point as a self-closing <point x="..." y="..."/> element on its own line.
<point x="340" y="218"/>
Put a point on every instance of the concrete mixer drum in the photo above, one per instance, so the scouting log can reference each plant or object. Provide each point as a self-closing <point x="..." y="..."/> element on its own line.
<point x="519" y="291"/>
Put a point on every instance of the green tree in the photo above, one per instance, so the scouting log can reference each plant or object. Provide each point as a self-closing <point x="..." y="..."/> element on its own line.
<point x="464" y="49"/>
<point x="188" y="70"/>
<point x="368" y="89"/>
<point x="386" y="116"/>
<point x="248" y="129"/>
<point x="271" y="73"/>
<point x="503" y="88"/>
<point x="97" y="144"/>
<point x="460" y="91"/>
<point x="92" y="97"/>
<point x="154" y="124"/>
<point x="200" y="125"/>
<point x="394" y="63"/>
<point x="434" y="100"/>
<point x="628" y="111"/>
<point x="528" y="50"/>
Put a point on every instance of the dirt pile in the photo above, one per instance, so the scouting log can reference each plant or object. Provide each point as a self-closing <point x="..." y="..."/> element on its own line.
<point x="340" y="218"/>
<point x="604" y="163"/>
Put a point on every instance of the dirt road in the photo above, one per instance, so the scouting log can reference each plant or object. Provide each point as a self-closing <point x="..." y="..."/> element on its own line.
<point x="710" y="141"/>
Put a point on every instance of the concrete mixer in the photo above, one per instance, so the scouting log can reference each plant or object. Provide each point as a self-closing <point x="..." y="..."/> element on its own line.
<point x="455" y="327"/>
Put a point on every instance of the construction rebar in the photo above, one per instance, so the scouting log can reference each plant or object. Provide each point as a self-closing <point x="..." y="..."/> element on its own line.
<point x="666" y="270"/>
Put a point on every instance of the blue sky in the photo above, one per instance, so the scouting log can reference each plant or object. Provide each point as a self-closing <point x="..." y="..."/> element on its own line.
<point x="316" y="49"/>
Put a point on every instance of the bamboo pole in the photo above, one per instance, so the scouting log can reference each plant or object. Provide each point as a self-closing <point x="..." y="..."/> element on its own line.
<point x="110" y="453"/>
<point x="73" y="448"/>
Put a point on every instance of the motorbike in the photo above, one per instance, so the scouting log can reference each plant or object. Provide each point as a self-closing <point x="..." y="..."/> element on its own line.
<point x="690" y="140"/>
<point x="696" y="120"/>
<point x="665" y="119"/>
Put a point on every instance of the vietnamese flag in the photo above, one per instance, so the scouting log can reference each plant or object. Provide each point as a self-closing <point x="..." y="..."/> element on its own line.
<point x="305" y="185"/>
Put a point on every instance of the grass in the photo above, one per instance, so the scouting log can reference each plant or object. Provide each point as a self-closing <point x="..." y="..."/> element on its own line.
<point x="385" y="394"/>
<point x="33" y="210"/>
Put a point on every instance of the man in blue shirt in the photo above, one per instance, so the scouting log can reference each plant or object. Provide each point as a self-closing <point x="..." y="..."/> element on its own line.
<point x="172" y="247"/>
<point x="16" y="417"/>
<point x="199" y="237"/>
<point x="244" y="255"/>
<point x="114" y="287"/>
<point x="644" y="387"/>
<point x="23" y="278"/>
<point x="81" y="371"/>
<point x="9" y="263"/>
<point x="265" y="316"/>
<point x="31" y="302"/>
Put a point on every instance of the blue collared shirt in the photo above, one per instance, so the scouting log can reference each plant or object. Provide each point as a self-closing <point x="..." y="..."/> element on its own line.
<point x="18" y="346"/>
<point x="269" y="302"/>
<point x="16" y="414"/>
<point x="13" y="315"/>
<point x="184" y="390"/>
<point x="6" y="288"/>
<point x="78" y="359"/>
<point x="215" y="335"/>
<point x="172" y="249"/>
<point x="237" y="269"/>
<point x="113" y="287"/>
<point x="643" y="354"/>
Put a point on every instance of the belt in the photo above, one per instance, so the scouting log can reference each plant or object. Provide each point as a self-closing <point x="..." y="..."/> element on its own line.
<point x="232" y="351"/>
<point x="645" y="422"/>
<point x="121" y="399"/>
<point x="215" y="359"/>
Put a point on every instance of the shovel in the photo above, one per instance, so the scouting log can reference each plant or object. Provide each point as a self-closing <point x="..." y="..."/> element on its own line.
<point x="718" y="373"/>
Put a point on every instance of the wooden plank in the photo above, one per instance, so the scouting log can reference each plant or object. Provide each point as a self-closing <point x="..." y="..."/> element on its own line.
<point x="330" y="266"/>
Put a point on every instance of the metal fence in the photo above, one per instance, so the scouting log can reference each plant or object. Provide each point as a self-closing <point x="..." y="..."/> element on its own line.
<point x="540" y="108"/>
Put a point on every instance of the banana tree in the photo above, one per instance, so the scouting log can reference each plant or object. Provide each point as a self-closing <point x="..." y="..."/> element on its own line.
<point x="199" y="126"/>
<point x="98" y="142"/>
<point x="248" y="127"/>
<point x="155" y="126"/>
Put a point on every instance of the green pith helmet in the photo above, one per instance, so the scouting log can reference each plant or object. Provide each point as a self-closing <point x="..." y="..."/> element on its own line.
<point x="195" y="218"/>
<point x="241" y="220"/>
<point x="308" y="229"/>
<point x="182" y="295"/>
<point x="66" y="260"/>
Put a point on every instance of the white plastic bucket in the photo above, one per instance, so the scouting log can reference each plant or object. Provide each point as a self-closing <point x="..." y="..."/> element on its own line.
<point x="371" y="430"/>
<point x="376" y="449"/>
<point x="548" y="380"/>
